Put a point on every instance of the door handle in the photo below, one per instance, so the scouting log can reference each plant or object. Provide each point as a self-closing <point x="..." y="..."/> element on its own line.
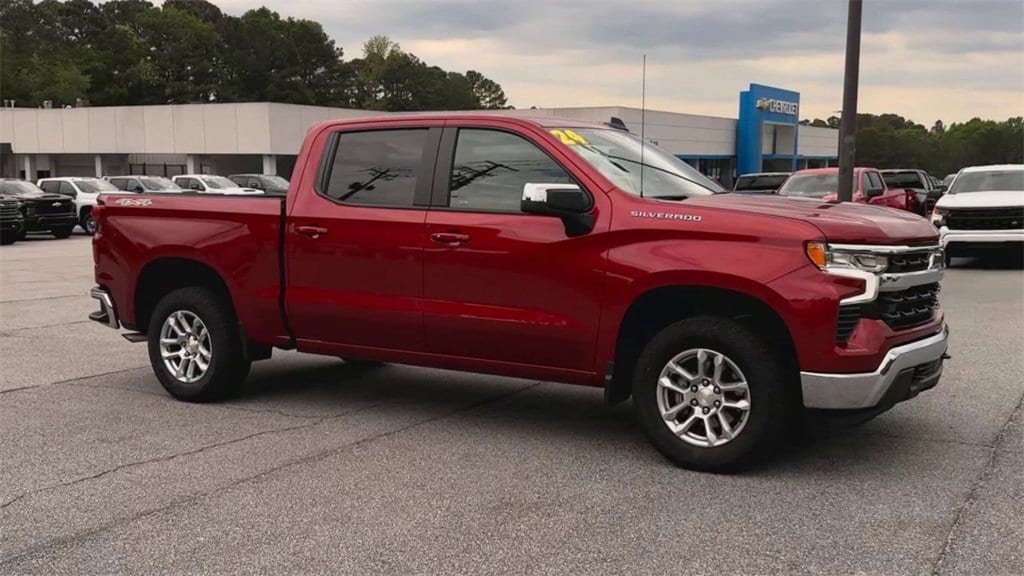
<point x="450" y="238"/>
<point x="313" y="232"/>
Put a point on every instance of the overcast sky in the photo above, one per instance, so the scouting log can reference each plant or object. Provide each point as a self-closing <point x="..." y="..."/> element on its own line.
<point x="923" y="59"/>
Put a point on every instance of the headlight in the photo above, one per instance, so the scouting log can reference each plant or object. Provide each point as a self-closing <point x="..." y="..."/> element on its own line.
<point x="939" y="217"/>
<point x="823" y="256"/>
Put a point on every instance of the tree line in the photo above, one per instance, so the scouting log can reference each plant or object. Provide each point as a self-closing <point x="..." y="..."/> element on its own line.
<point x="130" y="52"/>
<point x="892" y="141"/>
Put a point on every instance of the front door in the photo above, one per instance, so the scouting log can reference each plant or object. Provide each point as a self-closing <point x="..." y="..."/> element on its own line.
<point x="354" y="240"/>
<point x="500" y="285"/>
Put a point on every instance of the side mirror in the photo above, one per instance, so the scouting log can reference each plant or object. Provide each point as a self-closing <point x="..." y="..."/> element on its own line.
<point x="566" y="201"/>
<point x="137" y="188"/>
<point x="195" y="186"/>
<point x="873" y="192"/>
<point x="256" y="185"/>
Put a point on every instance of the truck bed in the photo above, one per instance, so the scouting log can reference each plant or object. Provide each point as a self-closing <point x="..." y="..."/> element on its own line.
<point x="238" y="237"/>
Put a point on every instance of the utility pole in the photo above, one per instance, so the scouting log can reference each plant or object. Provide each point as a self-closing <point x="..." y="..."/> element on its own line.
<point x="848" y="121"/>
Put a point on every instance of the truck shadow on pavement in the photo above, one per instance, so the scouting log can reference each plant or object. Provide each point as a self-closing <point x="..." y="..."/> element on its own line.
<point x="563" y="417"/>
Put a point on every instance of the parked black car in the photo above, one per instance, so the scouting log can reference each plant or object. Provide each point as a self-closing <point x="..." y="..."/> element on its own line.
<point x="42" y="212"/>
<point x="12" y="223"/>
<point x="760" y="183"/>
<point x="269" y="184"/>
<point x="926" y="192"/>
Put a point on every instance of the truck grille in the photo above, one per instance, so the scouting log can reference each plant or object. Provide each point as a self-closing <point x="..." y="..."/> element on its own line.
<point x="8" y="210"/>
<point x="986" y="219"/>
<point x="908" y="262"/>
<point x="54" y="207"/>
<point x="849" y="316"/>
<point x="905" y="308"/>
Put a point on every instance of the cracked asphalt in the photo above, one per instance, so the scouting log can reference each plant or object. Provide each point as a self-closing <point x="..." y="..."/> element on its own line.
<point x="322" y="467"/>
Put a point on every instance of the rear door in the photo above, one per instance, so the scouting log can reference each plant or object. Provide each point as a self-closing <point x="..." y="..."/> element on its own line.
<point x="354" y="238"/>
<point x="500" y="285"/>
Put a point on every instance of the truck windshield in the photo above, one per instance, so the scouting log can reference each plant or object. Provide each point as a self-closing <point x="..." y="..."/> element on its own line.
<point x="760" y="182"/>
<point x="95" y="186"/>
<point x="903" y="180"/>
<point x="159" y="184"/>
<point x="218" y="182"/>
<point x="616" y="155"/>
<point x="989" y="181"/>
<point x="810" y="185"/>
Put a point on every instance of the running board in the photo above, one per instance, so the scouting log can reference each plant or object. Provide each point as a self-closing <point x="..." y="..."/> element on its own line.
<point x="135" y="337"/>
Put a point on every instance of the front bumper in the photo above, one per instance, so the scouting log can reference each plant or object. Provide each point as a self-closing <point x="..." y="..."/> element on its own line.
<point x="12" y="225"/>
<point x="948" y="236"/>
<point x="905" y="371"/>
<point x="41" y="222"/>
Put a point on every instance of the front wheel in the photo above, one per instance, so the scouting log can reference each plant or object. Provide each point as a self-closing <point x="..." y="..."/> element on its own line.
<point x="62" y="232"/>
<point x="8" y="238"/>
<point x="88" y="224"/>
<point x="710" y="394"/>
<point x="195" y="347"/>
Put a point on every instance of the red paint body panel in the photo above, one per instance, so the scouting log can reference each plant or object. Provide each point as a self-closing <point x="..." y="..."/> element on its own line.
<point x="513" y="294"/>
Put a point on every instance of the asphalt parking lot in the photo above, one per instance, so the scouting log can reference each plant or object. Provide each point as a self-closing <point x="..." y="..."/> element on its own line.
<point x="322" y="467"/>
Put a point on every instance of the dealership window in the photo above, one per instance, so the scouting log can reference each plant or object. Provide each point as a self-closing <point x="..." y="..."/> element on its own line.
<point x="376" y="168"/>
<point x="491" y="167"/>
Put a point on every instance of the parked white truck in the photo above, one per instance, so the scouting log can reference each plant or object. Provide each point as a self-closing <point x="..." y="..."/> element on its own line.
<point x="983" y="210"/>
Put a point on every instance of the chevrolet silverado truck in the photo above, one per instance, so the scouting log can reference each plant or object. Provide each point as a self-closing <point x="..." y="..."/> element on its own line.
<point x="542" y="249"/>
<point x="983" y="211"/>
<point x="869" y="187"/>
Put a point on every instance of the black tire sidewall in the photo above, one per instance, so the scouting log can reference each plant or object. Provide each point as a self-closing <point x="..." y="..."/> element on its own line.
<point x="228" y="366"/>
<point x="86" y="222"/>
<point x="761" y="369"/>
<point x="62" y="233"/>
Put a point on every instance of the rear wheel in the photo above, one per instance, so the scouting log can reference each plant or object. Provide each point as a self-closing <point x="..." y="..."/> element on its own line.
<point x="195" y="347"/>
<point x="62" y="232"/>
<point x="710" y="395"/>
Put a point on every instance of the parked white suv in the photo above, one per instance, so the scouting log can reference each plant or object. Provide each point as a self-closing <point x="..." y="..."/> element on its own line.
<point x="207" y="184"/>
<point x="983" y="209"/>
<point x="84" y="190"/>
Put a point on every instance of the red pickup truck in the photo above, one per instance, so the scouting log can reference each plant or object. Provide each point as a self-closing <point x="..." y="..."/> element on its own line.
<point x="546" y="249"/>
<point x="869" y="187"/>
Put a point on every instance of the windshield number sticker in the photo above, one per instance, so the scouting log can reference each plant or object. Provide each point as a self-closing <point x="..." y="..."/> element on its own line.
<point x="569" y="137"/>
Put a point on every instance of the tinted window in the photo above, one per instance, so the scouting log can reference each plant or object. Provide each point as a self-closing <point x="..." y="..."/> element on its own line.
<point x="377" y="168"/>
<point x="52" y="186"/>
<point x="904" y="180"/>
<point x="875" y="180"/>
<point x="185" y="183"/>
<point x="491" y="167"/>
<point x="67" y="189"/>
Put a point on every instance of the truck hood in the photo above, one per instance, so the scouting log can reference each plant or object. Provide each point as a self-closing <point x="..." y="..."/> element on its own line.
<point x="995" y="199"/>
<point x="844" y="222"/>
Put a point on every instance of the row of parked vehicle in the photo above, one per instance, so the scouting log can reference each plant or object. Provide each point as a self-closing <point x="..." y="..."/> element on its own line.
<point x="979" y="207"/>
<point x="57" y="205"/>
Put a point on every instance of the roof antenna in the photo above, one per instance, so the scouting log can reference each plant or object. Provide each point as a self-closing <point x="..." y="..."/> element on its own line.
<point x="643" y="122"/>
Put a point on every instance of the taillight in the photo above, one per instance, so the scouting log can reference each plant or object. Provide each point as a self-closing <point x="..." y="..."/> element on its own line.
<point x="97" y="212"/>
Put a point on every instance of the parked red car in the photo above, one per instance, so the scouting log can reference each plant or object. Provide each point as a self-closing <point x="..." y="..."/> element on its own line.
<point x="542" y="249"/>
<point x="868" y="187"/>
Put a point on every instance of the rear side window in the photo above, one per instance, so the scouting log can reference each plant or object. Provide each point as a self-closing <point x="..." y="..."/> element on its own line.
<point x="67" y="188"/>
<point x="376" y="168"/>
<point x="491" y="168"/>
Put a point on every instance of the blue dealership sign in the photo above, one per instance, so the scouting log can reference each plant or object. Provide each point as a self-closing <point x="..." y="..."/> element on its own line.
<point x="761" y="105"/>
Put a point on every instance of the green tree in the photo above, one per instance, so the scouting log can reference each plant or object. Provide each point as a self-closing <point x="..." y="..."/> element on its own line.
<point x="487" y="92"/>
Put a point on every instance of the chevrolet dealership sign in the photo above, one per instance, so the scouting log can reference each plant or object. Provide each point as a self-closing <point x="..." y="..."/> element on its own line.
<point x="778" y="106"/>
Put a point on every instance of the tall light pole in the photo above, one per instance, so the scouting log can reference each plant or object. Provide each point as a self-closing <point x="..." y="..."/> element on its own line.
<point x="848" y="120"/>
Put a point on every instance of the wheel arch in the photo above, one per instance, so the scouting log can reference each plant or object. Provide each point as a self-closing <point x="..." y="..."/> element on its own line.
<point x="657" y="307"/>
<point x="163" y="275"/>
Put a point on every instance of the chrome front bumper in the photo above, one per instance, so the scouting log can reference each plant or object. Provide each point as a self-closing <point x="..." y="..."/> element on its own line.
<point x="828" y="391"/>
<point x="947" y="236"/>
<point x="107" y="314"/>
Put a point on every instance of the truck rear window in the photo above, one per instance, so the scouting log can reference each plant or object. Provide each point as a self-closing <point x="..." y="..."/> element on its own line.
<point x="376" y="168"/>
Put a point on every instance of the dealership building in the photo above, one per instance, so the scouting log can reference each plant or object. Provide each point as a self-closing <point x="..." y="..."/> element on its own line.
<point x="265" y="137"/>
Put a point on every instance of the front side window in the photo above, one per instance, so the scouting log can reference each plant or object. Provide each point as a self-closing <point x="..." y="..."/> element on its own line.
<point x="376" y="168"/>
<point x="988" y="181"/>
<point x="51" y="186"/>
<point x="218" y="182"/>
<point x="93" y="186"/>
<point x="490" y="169"/>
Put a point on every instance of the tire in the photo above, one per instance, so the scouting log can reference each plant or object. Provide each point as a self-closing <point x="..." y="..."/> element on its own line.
<point x="226" y="365"/>
<point x="7" y="239"/>
<point x="756" y="433"/>
<point x="87" y="223"/>
<point x="62" y="232"/>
